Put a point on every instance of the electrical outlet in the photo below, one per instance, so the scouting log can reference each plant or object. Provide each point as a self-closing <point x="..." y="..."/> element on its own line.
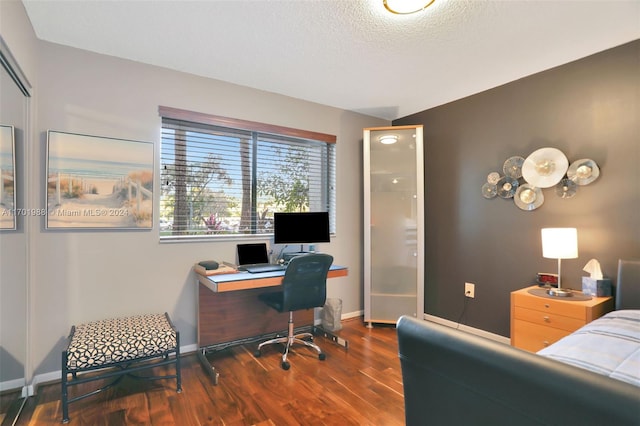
<point x="470" y="290"/>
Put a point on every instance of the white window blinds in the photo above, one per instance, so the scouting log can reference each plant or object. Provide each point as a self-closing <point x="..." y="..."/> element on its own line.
<point x="229" y="178"/>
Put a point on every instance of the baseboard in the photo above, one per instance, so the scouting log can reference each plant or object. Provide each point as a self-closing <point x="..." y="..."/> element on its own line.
<point x="472" y="330"/>
<point x="12" y="384"/>
<point x="38" y="379"/>
<point x="188" y="348"/>
<point x="349" y="315"/>
<point x="352" y="315"/>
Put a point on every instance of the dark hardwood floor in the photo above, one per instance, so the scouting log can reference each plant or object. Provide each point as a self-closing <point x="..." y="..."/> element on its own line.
<point x="10" y="404"/>
<point x="358" y="386"/>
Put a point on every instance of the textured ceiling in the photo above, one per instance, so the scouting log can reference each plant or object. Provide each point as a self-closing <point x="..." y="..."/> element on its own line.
<point x="350" y="54"/>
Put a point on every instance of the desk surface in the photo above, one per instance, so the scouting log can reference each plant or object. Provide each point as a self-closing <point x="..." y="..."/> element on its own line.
<point x="247" y="280"/>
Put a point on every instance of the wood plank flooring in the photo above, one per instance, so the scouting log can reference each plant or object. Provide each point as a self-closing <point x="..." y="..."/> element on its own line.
<point x="10" y="404"/>
<point x="358" y="386"/>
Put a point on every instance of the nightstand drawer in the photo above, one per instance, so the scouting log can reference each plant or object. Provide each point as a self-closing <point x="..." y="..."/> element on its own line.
<point x="533" y="337"/>
<point x="548" y="319"/>
<point x="552" y="306"/>
<point x="538" y="321"/>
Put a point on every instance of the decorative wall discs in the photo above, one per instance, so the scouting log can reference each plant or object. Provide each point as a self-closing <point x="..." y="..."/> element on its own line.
<point x="493" y="178"/>
<point x="566" y="188"/>
<point x="524" y="178"/>
<point x="489" y="190"/>
<point x="507" y="187"/>
<point x="544" y="167"/>
<point x="528" y="197"/>
<point x="583" y="172"/>
<point x="513" y="167"/>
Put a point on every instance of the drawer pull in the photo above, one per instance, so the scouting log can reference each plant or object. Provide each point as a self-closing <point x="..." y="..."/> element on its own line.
<point x="546" y="305"/>
<point x="545" y="343"/>
<point x="546" y="319"/>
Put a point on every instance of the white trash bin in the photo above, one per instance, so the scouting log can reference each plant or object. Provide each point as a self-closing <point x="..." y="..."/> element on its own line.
<point x="332" y="314"/>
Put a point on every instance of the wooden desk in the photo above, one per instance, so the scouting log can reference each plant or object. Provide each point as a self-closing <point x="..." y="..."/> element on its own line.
<point x="246" y="280"/>
<point x="229" y="311"/>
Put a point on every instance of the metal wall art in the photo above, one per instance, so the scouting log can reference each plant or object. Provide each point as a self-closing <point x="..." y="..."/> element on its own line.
<point x="523" y="179"/>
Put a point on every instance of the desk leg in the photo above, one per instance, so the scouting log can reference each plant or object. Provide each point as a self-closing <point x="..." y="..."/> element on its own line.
<point x="210" y="369"/>
<point x="319" y="331"/>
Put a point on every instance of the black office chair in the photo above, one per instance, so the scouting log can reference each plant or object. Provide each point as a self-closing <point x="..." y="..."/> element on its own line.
<point x="304" y="287"/>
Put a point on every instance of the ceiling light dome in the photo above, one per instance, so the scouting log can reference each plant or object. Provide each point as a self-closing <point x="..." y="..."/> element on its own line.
<point x="388" y="139"/>
<point x="404" y="7"/>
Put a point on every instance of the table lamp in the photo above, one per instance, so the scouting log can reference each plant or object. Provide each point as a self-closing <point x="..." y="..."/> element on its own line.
<point x="559" y="243"/>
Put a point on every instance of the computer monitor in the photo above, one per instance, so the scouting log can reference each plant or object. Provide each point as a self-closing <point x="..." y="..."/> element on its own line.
<point x="301" y="228"/>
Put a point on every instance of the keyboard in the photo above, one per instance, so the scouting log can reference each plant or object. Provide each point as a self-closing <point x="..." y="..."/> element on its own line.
<point x="254" y="269"/>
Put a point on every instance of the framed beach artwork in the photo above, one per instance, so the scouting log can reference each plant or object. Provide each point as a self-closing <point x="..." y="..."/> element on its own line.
<point x="98" y="183"/>
<point x="7" y="178"/>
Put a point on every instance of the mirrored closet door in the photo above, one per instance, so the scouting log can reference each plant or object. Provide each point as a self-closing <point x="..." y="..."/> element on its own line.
<point x="14" y="102"/>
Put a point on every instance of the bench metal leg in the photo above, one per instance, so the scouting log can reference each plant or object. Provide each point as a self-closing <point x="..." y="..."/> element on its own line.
<point x="65" y="394"/>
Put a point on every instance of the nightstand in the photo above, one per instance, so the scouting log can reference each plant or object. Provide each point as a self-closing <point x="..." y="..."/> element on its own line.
<point x="537" y="322"/>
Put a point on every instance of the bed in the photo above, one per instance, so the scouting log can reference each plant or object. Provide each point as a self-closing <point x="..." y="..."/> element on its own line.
<point x="609" y="346"/>
<point x="451" y="377"/>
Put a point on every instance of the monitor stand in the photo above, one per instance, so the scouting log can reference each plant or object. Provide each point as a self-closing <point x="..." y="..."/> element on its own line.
<point x="290" y="255"/>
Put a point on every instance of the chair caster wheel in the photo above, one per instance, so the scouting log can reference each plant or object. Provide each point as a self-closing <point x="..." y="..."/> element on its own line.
<point x="322" y="356"/>
<point x="257" y="354"/>
<point x="285" y="365"/>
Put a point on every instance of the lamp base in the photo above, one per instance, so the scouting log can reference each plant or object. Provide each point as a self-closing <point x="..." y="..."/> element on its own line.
<point x="559" y="292"/>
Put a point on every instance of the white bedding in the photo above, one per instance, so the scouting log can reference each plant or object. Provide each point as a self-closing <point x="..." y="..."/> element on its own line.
<point x="609" y="345"/>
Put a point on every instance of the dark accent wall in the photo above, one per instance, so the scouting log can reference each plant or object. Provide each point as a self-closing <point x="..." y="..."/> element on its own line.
<point x="589" y="108"/>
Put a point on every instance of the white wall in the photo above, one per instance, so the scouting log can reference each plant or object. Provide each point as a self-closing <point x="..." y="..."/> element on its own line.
<point x="79" y="276"/>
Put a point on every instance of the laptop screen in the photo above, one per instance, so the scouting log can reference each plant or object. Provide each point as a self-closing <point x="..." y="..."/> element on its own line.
<point x="252" y="253"/>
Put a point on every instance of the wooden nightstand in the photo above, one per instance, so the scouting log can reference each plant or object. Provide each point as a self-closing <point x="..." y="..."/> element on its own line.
<point x="537" y="322"/>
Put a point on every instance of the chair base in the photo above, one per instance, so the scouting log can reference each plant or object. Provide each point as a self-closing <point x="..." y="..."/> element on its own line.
<point x="289" y="340"/>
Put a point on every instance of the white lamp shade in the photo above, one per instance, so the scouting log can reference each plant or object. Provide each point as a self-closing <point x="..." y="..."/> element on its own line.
<point x="560" y="243"/>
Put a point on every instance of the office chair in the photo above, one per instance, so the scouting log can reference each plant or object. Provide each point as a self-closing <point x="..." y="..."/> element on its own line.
<point x="304" y="287"/>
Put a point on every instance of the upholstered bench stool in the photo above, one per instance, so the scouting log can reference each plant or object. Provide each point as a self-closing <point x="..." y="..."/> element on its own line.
<point x="120" y="346"/>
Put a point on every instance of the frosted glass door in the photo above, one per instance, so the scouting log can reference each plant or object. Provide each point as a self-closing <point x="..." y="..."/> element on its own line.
<point x="393" y="224"/>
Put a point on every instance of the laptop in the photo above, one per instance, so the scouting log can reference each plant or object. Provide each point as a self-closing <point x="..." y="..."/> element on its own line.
<point x="254" y="258"/>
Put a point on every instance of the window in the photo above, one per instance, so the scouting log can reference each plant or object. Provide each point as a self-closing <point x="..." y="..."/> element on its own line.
<point x="224" y="177"/>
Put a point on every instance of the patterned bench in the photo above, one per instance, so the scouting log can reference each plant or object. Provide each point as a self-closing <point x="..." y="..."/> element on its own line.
<point x="119" y="346"/>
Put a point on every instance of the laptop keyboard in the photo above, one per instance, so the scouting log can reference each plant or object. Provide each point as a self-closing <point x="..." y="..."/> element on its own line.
<point x="263" y="268"/>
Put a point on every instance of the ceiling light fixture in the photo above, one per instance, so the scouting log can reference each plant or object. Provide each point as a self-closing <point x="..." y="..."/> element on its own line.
<point x="405" y="7"/>
<point x="388" y="139"/>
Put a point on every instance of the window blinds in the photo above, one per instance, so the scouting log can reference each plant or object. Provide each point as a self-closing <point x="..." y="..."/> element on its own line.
<point x="219" y="180"/>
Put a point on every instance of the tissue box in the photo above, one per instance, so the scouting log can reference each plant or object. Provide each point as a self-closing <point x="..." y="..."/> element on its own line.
<point x="594" y="287"/>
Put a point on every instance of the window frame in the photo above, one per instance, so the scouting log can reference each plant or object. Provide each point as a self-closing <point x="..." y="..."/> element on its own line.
<point x="250" y="126"/>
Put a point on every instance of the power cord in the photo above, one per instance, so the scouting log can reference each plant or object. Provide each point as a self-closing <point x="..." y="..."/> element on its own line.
<point x="464" y="308"/>
<point x="280" y="254"/>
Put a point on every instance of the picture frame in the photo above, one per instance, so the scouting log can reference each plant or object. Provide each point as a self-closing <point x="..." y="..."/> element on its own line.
<point x="98" y="182"/>
<point x="7" y="178"/>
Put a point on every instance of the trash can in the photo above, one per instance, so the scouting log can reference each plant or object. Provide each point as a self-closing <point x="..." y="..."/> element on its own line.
<point x="332" y="314"/>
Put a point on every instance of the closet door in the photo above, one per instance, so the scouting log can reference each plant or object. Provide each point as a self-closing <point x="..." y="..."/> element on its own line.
<point x="393" y="223"/>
